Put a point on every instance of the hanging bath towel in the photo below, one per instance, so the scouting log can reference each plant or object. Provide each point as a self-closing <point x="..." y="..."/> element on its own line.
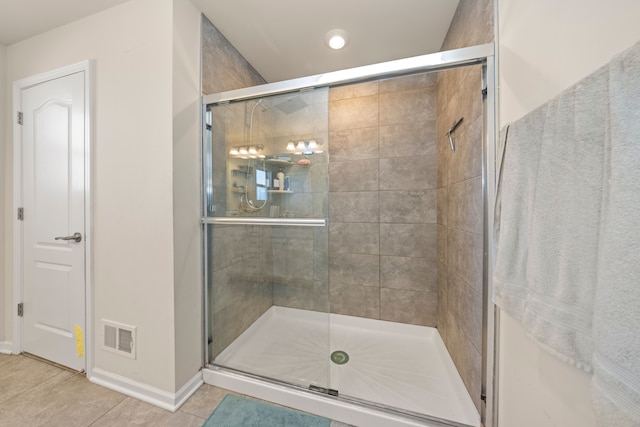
<point x="547" y="248"/>
<point x="567" y="237"/>
<point x="616" y="321"/>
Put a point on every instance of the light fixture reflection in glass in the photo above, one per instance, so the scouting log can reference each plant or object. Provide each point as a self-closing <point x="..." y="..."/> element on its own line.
<point x="306" y="148"/>
<point x="243" y="150"/>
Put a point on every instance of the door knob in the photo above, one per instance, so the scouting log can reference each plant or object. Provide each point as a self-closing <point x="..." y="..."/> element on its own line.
<point x="76" y="236"/>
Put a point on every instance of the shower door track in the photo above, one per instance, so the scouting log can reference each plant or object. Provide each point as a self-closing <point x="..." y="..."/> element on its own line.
<point x="271" y="387"/>
<point x="475" y="55"/>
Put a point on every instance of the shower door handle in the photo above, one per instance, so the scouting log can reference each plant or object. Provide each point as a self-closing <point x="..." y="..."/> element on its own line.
<point x="76" y="237"/>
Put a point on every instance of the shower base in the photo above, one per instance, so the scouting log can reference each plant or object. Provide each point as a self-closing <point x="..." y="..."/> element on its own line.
<point x="388" y="364"/>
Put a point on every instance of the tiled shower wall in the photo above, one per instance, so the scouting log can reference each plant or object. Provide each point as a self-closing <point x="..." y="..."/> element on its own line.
<point x="223" y="67"/>
<point x="241" y="257"/>
<point x="382" y="200"/>
<point x="460" y="211"/>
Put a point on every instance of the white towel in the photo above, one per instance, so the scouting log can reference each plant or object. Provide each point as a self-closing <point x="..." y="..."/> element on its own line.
<point x="616" y="322"/>
<point x="567" y="240"/>
<point x="514" y="203"/>
<point x="547" y="255"/>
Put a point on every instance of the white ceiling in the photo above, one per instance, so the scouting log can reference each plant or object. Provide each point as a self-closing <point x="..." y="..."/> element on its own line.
<point x="282" y="39"/>
<point x="21" y="19"/>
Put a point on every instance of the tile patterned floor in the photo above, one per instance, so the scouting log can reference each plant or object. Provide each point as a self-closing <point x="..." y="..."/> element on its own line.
<point x="34" y="393"/>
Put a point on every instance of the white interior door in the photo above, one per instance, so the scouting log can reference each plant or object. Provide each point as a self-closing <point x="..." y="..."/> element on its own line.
<point x="53" y="193"/>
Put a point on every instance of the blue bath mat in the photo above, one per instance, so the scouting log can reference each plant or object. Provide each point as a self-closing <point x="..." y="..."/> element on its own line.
<point x="236" y="411"/>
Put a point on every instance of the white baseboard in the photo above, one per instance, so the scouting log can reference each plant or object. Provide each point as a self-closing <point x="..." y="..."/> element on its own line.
<point x="146" y="393"/>
<point x="6" y="347"/>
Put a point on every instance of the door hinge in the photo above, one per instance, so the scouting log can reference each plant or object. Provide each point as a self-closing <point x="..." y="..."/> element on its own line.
<point x="20" y="214"/>
<point x="485" y="92"/>
<point x="20" y="309"/>
<point x="19" y="117"/>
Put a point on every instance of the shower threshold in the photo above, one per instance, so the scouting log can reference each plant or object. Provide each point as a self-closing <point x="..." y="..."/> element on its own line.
<point x="390" y="365"/>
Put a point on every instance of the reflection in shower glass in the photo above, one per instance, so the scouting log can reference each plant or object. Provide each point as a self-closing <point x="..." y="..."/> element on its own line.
<point x="269" y="159"/>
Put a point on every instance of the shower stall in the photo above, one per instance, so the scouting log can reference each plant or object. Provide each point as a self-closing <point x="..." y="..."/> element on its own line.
<point x="327" y="211"/>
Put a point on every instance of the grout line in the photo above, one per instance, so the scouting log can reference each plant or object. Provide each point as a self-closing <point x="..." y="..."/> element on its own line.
<point x="107" y="411"/>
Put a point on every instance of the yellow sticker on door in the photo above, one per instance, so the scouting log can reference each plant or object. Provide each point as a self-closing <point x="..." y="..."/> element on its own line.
<point x="79" y="341"/>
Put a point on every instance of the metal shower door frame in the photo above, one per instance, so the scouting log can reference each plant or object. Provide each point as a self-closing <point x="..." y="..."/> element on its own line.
<point x="475" y="55"/>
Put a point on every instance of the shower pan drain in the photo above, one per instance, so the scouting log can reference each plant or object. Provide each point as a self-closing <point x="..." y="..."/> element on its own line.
<point x="339" y="357"/>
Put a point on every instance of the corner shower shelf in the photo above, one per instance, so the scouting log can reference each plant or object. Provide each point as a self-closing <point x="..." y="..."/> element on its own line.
<point x="279" y="162"/>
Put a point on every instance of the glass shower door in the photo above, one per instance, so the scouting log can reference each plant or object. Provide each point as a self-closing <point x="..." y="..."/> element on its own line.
<point x="266" y="185"/>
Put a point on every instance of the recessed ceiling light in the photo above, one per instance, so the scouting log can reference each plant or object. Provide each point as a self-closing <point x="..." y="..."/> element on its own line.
<point x="336" y="39"/>
<point x="337" y="42"/>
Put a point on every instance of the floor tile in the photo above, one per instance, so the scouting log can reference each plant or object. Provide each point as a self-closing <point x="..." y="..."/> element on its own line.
<point x="35" y="393"/>
<point x="133" y="412"/>
<point x="205" y="400"/>
<point x="21" y="373"/>
<point x="66" y="399"/>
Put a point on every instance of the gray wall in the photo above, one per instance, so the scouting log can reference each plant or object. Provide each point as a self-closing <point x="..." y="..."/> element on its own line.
<point x="240" y="257"/>
<point x="241" y="260"/>
<point x="223" y="67"/>
<point x="460" y="215"/>
<point x="382" y="200"/>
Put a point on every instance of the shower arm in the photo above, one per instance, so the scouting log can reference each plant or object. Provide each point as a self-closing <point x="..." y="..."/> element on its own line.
<point x="453" y="128"/>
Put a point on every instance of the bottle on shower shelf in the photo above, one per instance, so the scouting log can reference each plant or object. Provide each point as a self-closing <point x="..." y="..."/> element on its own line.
<point x="280" y="176"/>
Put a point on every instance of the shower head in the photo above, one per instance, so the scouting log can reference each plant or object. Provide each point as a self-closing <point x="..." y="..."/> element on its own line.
<point x="290" y="105"/>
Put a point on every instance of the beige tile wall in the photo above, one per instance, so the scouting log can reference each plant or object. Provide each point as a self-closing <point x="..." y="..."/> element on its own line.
<point x="241" y="260"/>
<point x="223" y="68"/>
<point x="241" y="266"/>
<point x="382" y="200"/>
<point x="459" y="197"/>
